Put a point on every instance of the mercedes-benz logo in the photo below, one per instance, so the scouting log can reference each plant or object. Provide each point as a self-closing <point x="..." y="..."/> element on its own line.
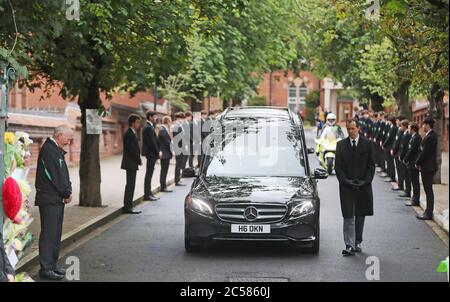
<point x="251" y="213"/>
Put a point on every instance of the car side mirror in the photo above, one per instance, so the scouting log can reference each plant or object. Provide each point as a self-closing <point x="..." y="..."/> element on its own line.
<point x="320" y="173"/>
<point x="311" y="150"/>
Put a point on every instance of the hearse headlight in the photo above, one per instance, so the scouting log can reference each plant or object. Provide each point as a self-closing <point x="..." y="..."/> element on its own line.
<point x="199" y="206"/>
<point x="301" y="209"/>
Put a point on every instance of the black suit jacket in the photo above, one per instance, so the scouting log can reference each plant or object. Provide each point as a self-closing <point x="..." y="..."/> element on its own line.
<point x="150" y="142"/>
<point x="356" y="164"/>
<point x="5" y="266"/>
<point x="131" y="158"/>
<point x="403" y="149"/>
<point x="52" y="175"/>
<point x="390" y="137"/>
<point x="165" y="142"/>
<point x="381" y="129"/>
<point x="413" y="150"/>
<point x="427" y="156"/>
<point x="397" y="142"/>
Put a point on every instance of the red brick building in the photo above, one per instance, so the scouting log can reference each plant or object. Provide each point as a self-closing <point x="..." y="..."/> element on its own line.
<point x="290" y="90"/>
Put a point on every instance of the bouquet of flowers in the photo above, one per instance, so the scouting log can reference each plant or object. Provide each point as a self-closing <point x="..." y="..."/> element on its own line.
<point x="16" y="193"/>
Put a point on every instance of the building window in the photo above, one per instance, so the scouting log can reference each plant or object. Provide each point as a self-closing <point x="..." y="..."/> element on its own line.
<point x="303" y="92"/>
<point x="297" y="96"/>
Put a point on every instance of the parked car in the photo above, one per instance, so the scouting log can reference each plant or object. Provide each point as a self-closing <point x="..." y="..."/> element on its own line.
<point x="255" y="183"/>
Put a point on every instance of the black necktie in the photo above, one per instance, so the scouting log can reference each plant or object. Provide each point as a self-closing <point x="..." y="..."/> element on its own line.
<point x="354" y="144"/>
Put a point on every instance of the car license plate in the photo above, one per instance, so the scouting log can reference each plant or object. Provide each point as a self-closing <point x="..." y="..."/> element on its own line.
<point x="250" y="228"/>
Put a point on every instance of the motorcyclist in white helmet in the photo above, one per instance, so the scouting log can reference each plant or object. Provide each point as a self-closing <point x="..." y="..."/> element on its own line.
<point x="332" y="128"/>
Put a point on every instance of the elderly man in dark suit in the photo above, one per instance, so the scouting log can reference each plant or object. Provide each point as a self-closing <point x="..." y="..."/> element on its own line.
<point x="150" y="149"/>
<point x="131" y="161"/>
<point x="53" y="191"/>
<point x="165" y="142"/>
<point x="355" y="169"/>
<point x="427" y="165"/>
<point x="6" y="270"/>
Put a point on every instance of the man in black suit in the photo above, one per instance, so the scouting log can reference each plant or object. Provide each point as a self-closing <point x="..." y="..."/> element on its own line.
<point x="402" y="150"/>
<point x="165" y="142"/>
<point x="427" y="165"/>
<point x="387" y="146"/>
<point x="6" y="270"/>
<point x="379" y="141"/>
<point x="410" y="161"/>
<point x="131" y="161"/>
<point x="179" y="146"/>
<point x="189" y="127"/>
<point x="53" y="191"/>
<point x="395" y="154"/>
<point x="355" y="168"/>
<point x="150" y="149"/>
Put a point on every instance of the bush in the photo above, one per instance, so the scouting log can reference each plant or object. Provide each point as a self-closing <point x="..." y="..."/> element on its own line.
<point x="257" y="101"/>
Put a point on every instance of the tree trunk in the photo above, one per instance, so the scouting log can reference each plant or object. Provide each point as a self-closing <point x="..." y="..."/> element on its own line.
<point x="376" y="102"/>
<point x="436" y="111"/>
<point x="402" y="99"/>
<point x="90" y="176"/>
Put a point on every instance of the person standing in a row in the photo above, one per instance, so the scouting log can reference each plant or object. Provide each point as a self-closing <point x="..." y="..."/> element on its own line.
<point x="131" y="161"/>
<point x="179" y="146"/>
<point x="410" y="161"/>
<point x="165" y="142"/>
<point x="401" y="153"/>
<point x="53" y="192"/>
<point x="389" y="140"/>
<point x="150" y="149"/>
<point x="379" y="141"/>
<point x="427" y="165"/>
<point x="395" y="154"/>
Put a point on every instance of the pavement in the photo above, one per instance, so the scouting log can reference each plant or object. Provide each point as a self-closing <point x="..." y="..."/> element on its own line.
<point x="150" y="246"/>
<point x="79" y="221"/>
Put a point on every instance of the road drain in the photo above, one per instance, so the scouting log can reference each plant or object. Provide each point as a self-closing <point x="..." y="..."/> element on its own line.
<point x="256" y="279"/>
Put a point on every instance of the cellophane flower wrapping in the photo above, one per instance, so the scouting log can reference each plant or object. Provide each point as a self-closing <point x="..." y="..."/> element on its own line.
<point x="16" y="236"/>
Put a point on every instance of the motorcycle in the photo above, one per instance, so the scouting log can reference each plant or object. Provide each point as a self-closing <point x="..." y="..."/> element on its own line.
<point x="326" y="151"/>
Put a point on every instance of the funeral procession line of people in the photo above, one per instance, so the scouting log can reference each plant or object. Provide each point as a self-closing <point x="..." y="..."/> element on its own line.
<point x="54" y="188"/>
<point x="393" y="145"/>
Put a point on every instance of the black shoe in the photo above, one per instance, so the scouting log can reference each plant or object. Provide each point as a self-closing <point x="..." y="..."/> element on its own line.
<point x="349" y="251"/>
<point x="411" y="204"/>
<point x="166" y="190"/>
<point x="358" y="248"/>
<point x="425" y="216"/>
<point x="150" y="198"/>
<point x="60" y="271"/>
<point x="131" y="212"/>
<point x="397" y="189"/>
<point x="180" y="184"/>
<point x="50" y="275"/>
<point x="406" y="195"/>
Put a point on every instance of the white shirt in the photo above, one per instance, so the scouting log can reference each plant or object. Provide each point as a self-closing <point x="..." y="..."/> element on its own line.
<point x="134" y="131"/>
<point x="53" y="140"/>
<point x="428" y="132"/>
<point x="356" y="141"/>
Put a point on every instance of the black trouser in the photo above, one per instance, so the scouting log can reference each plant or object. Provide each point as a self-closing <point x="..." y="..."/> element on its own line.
<point x="151" y="161"/>
<point x="427" y="181"/>
<point x="400" y="173"/>
<point x="390" y="165"/>
<point x="52" y="217"/>
<point x="381" y="158"/>
<point x="129" y="189"/>
<point x="178" y="166"/>
<point x="164" y="170"/>
<point x="415" y="185"/>
<point x="407" y="174"/>
<point x="353" y="230"/>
